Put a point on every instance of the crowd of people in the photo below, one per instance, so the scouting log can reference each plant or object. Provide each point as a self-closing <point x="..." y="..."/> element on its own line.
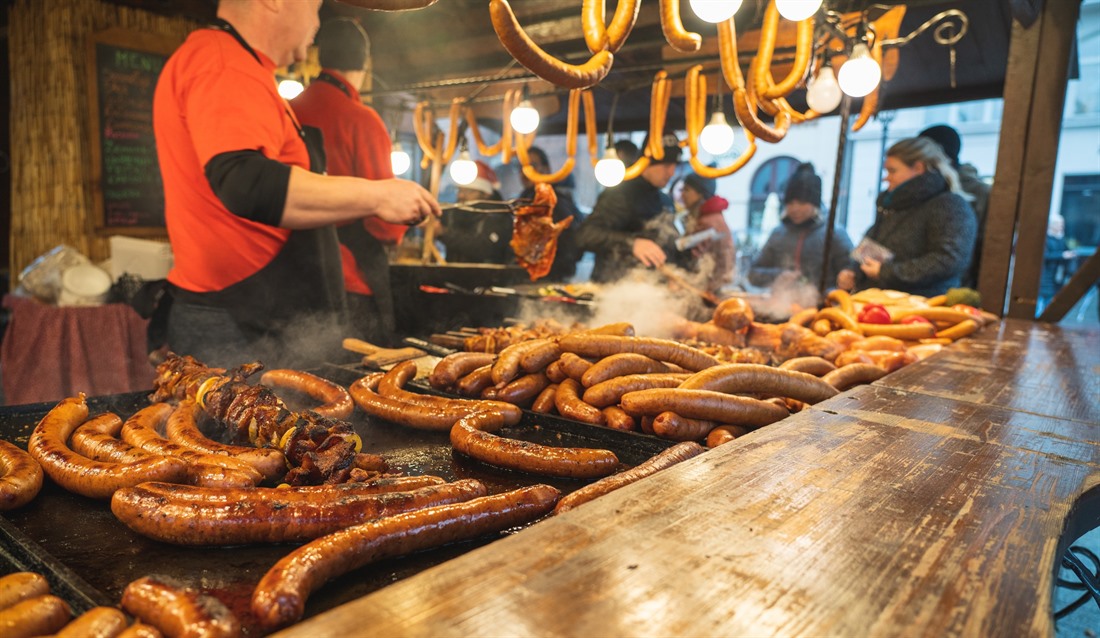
<point x="281" y="215"/>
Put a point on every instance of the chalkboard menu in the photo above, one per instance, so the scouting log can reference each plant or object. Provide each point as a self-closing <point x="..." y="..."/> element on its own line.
<point x="126" y="185"/>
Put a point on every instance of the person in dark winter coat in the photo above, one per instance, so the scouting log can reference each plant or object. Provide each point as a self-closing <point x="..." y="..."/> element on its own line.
<point x="796" y="248"/>
<point x="632" y="224"/>
<point x="972" y="184"/>
<point x="565" y="260"/>
<point x="923" y="220"/>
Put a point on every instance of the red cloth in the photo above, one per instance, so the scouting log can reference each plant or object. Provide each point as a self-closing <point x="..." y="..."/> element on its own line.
<point x="357" y="145"/>
<point x="50" y="353"/>
<point x="213" y="97"/>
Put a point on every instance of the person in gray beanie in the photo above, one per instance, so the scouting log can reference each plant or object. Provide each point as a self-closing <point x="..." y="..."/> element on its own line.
<point x="632" y="224"/>
<point x="795" y="250"/>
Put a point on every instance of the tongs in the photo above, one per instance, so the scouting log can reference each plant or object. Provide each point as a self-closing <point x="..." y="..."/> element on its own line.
<point x="490" y="206"/>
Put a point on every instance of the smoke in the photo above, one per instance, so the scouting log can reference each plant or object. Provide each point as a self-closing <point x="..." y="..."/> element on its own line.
<point x="645" y="301"/>
<point x="787" y="296"/>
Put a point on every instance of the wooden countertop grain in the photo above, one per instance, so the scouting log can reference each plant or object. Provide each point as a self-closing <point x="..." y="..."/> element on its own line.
<point x="926" y="504"/>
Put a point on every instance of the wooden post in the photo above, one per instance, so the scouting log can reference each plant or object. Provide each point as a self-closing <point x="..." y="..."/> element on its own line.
<point x="1019" y="204"/>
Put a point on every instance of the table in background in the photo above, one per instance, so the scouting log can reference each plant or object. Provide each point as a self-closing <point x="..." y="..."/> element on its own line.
<point x="52" y="352"/>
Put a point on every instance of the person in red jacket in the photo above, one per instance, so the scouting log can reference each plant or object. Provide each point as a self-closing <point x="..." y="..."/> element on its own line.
<point x="358" y="145"/>
<point x="249" y="212"/>
<point x="713" y="257"/>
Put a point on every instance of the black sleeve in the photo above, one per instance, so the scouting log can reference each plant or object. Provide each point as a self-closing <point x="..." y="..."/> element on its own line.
<point x="250" y="185"/>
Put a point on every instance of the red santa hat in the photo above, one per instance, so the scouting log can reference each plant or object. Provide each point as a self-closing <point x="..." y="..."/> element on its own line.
<point x="486" y="180"/>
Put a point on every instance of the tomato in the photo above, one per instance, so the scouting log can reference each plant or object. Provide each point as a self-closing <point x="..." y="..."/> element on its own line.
<point x="961" y="307"/>
<point x="874" y="313"/>
<point x="916" y="319"/>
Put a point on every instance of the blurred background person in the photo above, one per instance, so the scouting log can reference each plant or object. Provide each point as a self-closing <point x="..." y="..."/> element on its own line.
<point x="565" y="260"/>
<point x="632" y="225"/>
<point x="795" y="250"/>
<point x="972" y="184"/>
<point x="923" y="220"/>
<point x="627" y="151"/>
<point x="1056" y="260"/>
<point x="475" y="237"/>
<point x="356" y="144"/>
<point x="713" y="258"/>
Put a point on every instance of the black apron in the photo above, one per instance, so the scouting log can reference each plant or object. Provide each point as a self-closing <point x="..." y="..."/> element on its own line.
<point x="299" y="295"/>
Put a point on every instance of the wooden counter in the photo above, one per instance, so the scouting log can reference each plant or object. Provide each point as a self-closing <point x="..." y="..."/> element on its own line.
<point x="934" y="503"/>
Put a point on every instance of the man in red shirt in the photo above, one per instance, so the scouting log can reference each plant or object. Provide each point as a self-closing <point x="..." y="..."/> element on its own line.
<point x="356" y="144"/>
<point x="257" y="270"/>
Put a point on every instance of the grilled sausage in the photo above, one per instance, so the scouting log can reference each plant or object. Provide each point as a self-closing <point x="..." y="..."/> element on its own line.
<point x="392" y="386"/>
<point x="611" y="391"/>
<point x="704" y="404"/>
<point x="619" y="365"/>
<point x="20" y="477"/>
<point x="454" y="366"/>
<point x="183" y="430"/>
<point x="666" y="459"/>
<point x="853" y="374"/>
<point x="97" y="622"/>
<point x="530" y="55"/>
<point x="333" y="400"/>
<point x="669" y="425"/>
<point x="590" y="345"/>
<point x="20" y="586"/>
<point x="34" y="617"/>
<point x="569" y="404"/>
<point x="98" y="440"/>
<point x="816" y="366"/>
<point x="178" y="611"/>
<point x="760" y="379"/>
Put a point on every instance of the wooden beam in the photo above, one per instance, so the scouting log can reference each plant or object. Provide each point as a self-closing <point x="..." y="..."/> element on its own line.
<point x="1034" y="98"/>
<point x="1086" y="277"/>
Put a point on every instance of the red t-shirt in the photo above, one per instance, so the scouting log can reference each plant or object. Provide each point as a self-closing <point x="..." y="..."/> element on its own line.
<point x="357" y="145"/>
<point x="213" y="97"/>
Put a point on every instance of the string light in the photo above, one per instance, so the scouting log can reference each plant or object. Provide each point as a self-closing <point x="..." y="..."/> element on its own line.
<point x="399" y="159"/>
<point x="524" y="118"/>
<point x="860" y="74"/>
<point x="717" y="136"/>
<point x="824" y="93"/>
<point x="797" y="9"/>
<point x="715" y="11"/>
<point x="463" y="170"/>
<point x="610" y="170"/>
<point x="290" y="89"/>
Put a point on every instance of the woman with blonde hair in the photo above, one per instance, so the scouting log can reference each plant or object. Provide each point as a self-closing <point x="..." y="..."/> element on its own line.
<point x="924" y="222"/>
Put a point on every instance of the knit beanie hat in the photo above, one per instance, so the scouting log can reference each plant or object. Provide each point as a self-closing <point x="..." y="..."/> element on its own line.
<point x="803" y="186"/>
<point x="947" y="138"/>
<point x="342" y="44"/>
<point x="705" y="186"/>
<point x="672" y="149"/>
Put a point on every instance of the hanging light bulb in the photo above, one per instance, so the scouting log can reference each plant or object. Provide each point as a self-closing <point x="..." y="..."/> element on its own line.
<point x="860" y="74"/>
<point x="824" y="93"/>
<point x="797" y="9"/>
<point x="290" y="89"/>
<point x="717" y="136"/>
<point x="524" y="118"/>
<point x="715" y="11"/>
<point x="463" y="170"/>
<point x="399" y="159"/>
<point x="610" y="170"/>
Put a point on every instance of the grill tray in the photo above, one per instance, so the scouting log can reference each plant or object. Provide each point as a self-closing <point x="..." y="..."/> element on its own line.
<point x="89" y="556"/>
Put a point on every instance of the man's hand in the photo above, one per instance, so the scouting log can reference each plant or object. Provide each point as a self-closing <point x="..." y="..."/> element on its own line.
<point x="649" y="253"/>
<point x="846" y="280"/>
<point x="871" y="267"/>
<point x="401" y="201"/>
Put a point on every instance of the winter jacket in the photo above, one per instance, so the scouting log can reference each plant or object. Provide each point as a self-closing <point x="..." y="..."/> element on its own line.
<point x="800" y="248"/>
<point x="715" y="256"/>
<point x="973" y="185"/>
<point x="623" y="213"/>
<point x="931" y="232"/>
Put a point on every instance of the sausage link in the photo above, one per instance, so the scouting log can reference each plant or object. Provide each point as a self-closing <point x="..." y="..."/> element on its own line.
<point x="669" y="425"/>
<point x="186" y="515"/>
<point x="704" y="404"/>
<point x="589" y="345"/>
<point x="617" y="419"/>
<point x="619" y="329"/>
<point x="522" y="391"/>
<point x="664" y="460"/>
<point x="140" y="630"/>
<point x="959" y="330"/>
<point x="364" y="393"/>
<point x="611" y="391"/>
<point x="878" y="342"/>
<point x="542" y="64"/>
<point x="20" y="477"/>
<point x="555" y="373"/>
<point x="454" y="366"/>
<point x="280" y="596"/>
<point x="529" y="457"/>
<point x="803" y="317"/>
<point x="97" y="622"/>
<point x="183" y="430"/>
<point x="333" y="400"/>
<point x="82" y="475"/>
<point x="538" y="357"/>
<point x="905" y="331"/>
<point x="853" y="374"/>
<point x="569" y="404"/>
<point x="725" y="434"/>
<point x="392" y="386"/>
<point x="20" y="586"/>
<point x="97" y="439"/>
<point x="34" y="617"/>
<point x="841" y="319"/>
<point x="508" y="363"/>
<point x="474" y="383"/>
<point x="822" y="327"/>
<point x="733" y="314"/>
<point x="619" y="365"/>
<point x="760" y="379"/>
<point x="816" y="366"/>
<point x="178" y="611"/>
<point x="675" y="34"/>
<point x="574" y="366"/>
<point x="544" y="402"/>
